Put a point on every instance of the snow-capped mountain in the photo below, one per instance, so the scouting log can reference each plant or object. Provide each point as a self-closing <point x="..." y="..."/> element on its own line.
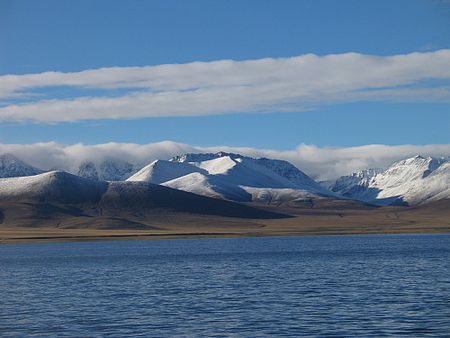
<point x="107" y="170"/>
<point x="57" y="186"/>
<point x="355" y="183"/>
<point x="11" y="166"/>
<point x="60" y="199"/>
<point x="233" y="177"/>
<point x="412" y="181"/>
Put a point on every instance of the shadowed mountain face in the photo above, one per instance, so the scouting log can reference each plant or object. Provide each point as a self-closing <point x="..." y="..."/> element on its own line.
<point x="144" y="197"/>
<point x="54" y="198"/>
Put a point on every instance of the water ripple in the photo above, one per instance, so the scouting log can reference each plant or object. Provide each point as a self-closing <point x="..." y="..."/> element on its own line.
<point x="371" y="286"/>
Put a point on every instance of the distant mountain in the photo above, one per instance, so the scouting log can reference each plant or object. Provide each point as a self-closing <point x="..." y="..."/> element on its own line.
<point x="412" y="181"/>
<point x="11" y="166"/>
<point x="355" y="183"/>
<point x="233" y="177"/>
<point x="58" y="198"/>
<point x="88" y="170"/>
<point x="107" y="170"/>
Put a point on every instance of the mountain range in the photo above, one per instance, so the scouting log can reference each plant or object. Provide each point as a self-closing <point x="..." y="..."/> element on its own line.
<point x="233" y="177"/>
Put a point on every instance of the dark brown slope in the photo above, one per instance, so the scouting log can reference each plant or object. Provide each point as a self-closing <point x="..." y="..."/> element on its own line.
<point x="63" y="200"/>
<point x="147" y="198"/>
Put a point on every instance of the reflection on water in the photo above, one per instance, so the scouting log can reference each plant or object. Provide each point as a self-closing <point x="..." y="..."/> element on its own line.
<point x="334" y="285"/>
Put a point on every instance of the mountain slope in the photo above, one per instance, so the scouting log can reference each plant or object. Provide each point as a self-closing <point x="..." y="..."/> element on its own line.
<point x="412" y="181"/>
<point x="233" y="177"/>
<point x="59" y="198"/>
<point x="11" y="166"/>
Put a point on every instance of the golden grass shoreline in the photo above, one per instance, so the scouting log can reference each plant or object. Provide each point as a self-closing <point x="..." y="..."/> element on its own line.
<point x="12" y="236"/>
<point x="433" y="218"/>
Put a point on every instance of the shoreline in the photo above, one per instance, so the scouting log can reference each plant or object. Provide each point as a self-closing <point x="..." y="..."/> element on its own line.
<point x="113" y="236"/>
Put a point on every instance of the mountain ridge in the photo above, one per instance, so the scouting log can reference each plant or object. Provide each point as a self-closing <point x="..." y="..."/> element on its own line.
<point x="415" y="180"/>
<point x="234" y="177"/>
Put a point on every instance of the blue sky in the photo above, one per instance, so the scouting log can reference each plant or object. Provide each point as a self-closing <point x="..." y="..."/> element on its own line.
<point x="72" y="36"/>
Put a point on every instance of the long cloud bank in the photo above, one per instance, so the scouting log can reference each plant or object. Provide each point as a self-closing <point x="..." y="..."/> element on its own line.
<point x="205" y="88"/>
<point x="322" y="163"/>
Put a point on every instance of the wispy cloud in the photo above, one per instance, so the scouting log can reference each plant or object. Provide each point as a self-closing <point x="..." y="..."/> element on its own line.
<point x="319" y="162"/>
<point x="204" y="88"/>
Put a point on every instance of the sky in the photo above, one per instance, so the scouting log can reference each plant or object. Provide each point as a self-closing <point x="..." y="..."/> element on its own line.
<point x="258" y="74"/>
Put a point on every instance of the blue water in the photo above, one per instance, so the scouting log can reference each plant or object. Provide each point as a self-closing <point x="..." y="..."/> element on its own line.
<point x="247" y="287"/>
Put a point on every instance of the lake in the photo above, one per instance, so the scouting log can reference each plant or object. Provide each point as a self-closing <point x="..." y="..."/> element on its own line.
<point x="335" y="286"/>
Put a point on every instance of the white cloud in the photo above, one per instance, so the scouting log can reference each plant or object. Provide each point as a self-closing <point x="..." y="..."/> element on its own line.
<point x="319" y="162"/>
<point x="226" y="86"/>
<point x="52" y="155"/>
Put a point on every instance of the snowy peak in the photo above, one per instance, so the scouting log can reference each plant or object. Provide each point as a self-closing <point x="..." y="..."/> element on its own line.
<point x="232" y="176"/>
<point x="11" y="166"/>
<point x="281" y="168"/>
<point x="414" y="167"/>
<point x="406" y="174"/>
<point x="412" y="181"/>
<point x="107" y="170"/>
<point x="351" y="185"/>
<point x="88" y="170"/>
<point x="115" y="170"/>
<point x="161" y="171"/>
<point x="201" y="157"/>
